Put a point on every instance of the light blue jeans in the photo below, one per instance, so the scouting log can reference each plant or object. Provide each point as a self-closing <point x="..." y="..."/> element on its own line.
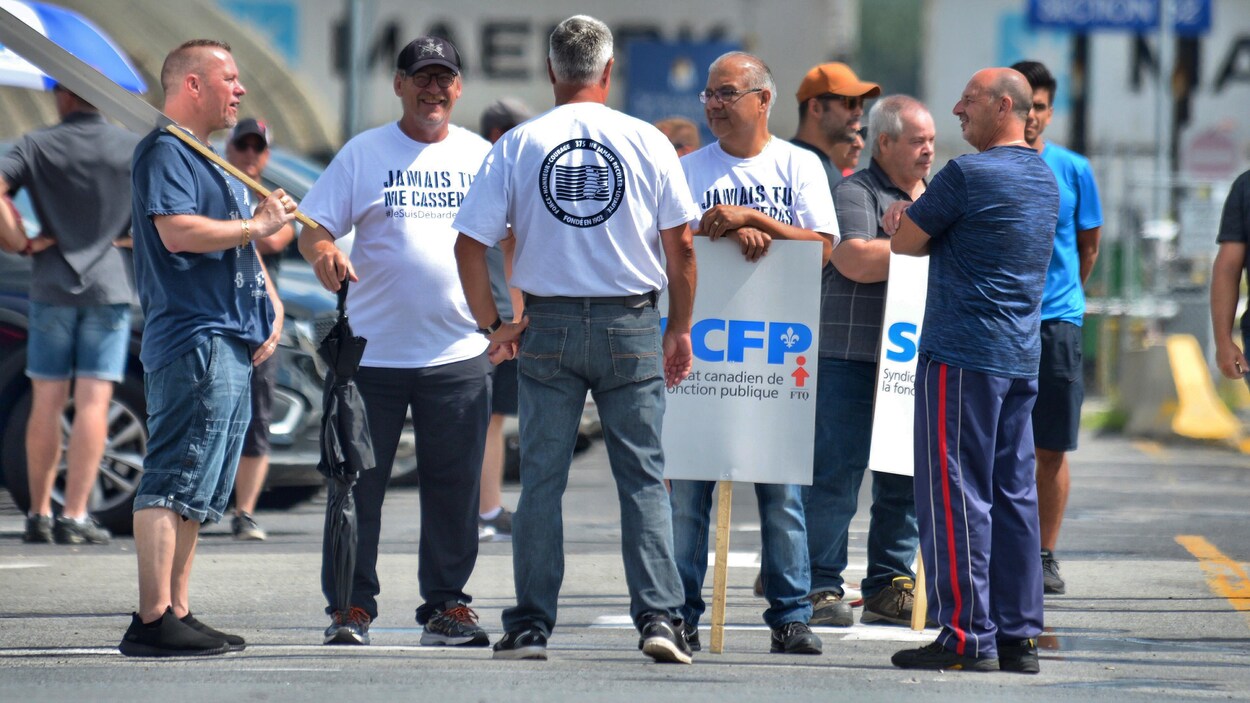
<point x="614" y="352"/>
<point x="844" y="393"/>
<point x="787" y="577"/>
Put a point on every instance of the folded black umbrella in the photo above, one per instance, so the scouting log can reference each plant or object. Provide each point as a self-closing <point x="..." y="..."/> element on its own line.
<point x="346" y="448"/>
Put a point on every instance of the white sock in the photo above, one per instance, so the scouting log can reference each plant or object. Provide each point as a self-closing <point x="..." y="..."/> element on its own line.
<point x="491" y="514"/>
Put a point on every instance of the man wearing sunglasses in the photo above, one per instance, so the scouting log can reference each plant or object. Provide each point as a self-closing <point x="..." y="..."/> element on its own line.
<point x="248" y="149"/>
<point x="831" y="102"/>
<point x="400" y="186"/>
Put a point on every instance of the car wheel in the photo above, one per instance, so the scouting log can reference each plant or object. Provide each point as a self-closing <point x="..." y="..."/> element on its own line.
<point x="112" y="498"/>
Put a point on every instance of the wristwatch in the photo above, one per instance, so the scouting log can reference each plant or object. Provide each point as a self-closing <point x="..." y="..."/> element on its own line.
<point x="492" y="327"/>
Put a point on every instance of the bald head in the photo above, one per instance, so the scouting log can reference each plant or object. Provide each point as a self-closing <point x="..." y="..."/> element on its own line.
<point x="191" y="57"/>
<point x="1011" y="84"/>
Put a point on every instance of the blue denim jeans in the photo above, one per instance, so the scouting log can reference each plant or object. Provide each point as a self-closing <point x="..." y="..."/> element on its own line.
<point x="67" y="342"/>
<point x="844" y="397"/>
<point x="199" y="406"/>
<point x="614" y="352"/>
<point x="786" y="575"/>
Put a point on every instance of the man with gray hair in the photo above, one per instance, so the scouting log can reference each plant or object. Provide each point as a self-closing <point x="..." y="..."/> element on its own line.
<point x="901" y="134"/>
<point x="603" y="233"/>
<point x="790" y="200"/>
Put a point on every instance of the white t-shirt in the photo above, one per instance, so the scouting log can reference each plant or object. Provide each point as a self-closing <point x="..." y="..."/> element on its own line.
<point x="587" y="190"/>
<point x="401" y="196"/>
<point x="783" y="181"/>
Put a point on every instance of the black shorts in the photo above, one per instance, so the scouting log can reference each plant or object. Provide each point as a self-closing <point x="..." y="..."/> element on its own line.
<point x="503" y="399"/>
<point x="264" y="380"/>
<point x="1060" y="388"/>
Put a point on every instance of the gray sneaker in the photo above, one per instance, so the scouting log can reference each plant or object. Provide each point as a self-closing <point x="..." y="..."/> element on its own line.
<point x="245" y="528"/>
<point x="828" y="608"/>
<point x="38" y="529"/>
<point x="68" y="531"/>
<point x="1052" y="582"/>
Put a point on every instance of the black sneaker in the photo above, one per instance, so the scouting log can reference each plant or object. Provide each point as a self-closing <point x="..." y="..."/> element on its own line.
<point x="1019" y="656"/>
<point x="245" y="528"/>
<point x="795" y="638"/>
<point x="522" y="644"/>
<point x="1052" y="582"/>
<point x="892" y="604"/>
<point x="496" y="529"/>
<point x="661" y="641"/>
<point x="935" y="656"/>
<point x="38" y="529"/>
<point x="758" y="587"/>
<point x="456" y="626"/>
<point x="68" y="531"/>
<point x="828" y="608"/>
<point x="690" y="632"/>
<point x="168" y="637"/>
<point x="236" y="643"/>
<point x="348" y="627"/>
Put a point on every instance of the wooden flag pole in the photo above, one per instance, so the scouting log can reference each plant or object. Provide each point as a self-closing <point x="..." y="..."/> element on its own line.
<point x="720" y="572"/>
<point x="920" y="602"/>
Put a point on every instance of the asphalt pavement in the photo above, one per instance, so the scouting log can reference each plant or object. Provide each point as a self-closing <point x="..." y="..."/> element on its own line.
<point x="1154" y="551"/>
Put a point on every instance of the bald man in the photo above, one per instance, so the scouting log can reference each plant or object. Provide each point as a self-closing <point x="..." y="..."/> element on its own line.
<point x="987" y="223"/>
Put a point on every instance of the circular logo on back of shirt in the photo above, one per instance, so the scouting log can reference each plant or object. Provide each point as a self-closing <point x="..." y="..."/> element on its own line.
<point x="582" y="183"/>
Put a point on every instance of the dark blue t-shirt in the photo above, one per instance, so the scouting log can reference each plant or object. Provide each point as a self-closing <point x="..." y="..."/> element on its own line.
<point x="188" y="297"/>
<point x="991" y="217"/>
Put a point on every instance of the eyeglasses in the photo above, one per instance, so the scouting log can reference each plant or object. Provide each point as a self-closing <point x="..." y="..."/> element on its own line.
<point x="852" y="102"/>
<point x="250" y="145"/>
<point x="444" y="80"/>
<point x="725" y="96"/>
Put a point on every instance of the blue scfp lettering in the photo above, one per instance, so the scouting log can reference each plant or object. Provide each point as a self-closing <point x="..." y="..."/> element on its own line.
<point x="718" y="340"/>
<point x="901" y="341"/>
<point x="787" y="338"/>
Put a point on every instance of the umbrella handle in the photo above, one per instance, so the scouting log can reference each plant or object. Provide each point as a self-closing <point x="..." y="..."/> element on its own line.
<point x="343" y="298"/>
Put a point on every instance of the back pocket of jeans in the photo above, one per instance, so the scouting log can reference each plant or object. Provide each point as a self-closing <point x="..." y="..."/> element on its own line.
<point x="541" y="350"/>
<point x="635" y="353"/>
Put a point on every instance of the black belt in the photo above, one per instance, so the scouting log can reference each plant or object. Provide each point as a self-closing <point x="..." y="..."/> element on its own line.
<point x="642" y="300"/>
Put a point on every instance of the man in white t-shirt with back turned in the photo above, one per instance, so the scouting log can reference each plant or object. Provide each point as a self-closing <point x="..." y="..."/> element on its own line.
<point x="400" y="186"/>
<point x="753" y="188"/>
<point x="599" y="208"/>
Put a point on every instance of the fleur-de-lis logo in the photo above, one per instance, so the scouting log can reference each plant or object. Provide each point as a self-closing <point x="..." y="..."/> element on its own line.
<point x="431" y="47"/>
<point x="789" y="338"/>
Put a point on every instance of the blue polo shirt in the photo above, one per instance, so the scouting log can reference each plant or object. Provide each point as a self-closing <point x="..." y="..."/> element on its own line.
<point x="1079" y="210"/>
<point x="991" y="218"/>
<point x="187" y="298"/>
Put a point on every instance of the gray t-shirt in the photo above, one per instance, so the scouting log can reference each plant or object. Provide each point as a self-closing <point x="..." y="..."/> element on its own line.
<point x="78" y="175"/>
<point x="851" y="313"/>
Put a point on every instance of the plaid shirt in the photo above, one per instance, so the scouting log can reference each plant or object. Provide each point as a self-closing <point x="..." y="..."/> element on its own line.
<point x="850" y="312"/>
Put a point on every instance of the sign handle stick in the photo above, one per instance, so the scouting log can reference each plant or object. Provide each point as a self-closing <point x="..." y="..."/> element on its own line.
<point x="720" y="572"/>
<point x="920" y="602"/>
<point x="207" y="153"/>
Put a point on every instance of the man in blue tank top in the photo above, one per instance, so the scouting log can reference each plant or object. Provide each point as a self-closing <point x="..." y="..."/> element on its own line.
<point x="986" y="222"/>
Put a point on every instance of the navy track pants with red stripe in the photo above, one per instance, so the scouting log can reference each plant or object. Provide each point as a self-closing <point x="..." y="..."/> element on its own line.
<point x="976" y="504"/>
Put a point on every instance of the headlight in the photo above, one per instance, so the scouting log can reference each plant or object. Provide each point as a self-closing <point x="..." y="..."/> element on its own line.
<point x="295" y="333"/>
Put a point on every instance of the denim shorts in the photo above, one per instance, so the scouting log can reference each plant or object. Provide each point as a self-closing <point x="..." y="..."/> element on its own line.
<point x="68" y="341"/>
<point x="199" y="406"/>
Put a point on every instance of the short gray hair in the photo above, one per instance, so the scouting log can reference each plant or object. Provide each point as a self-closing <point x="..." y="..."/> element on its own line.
<point x="886" y="117"/>
<point x="580" y="49"/>
<point x="758" y="74"/>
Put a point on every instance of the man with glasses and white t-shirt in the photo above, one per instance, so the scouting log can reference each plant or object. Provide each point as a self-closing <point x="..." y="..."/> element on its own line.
<point x="400" y="186"/>
<point x="792" y="202"/>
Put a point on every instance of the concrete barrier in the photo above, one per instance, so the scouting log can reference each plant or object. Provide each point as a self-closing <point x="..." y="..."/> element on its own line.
<point x="1168" y="392"/>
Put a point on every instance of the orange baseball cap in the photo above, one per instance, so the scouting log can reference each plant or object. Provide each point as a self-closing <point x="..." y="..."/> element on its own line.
<point x="836" y="78"/>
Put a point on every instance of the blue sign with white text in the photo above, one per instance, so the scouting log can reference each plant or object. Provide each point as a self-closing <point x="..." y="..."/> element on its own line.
<point x="665" y="79"/>
<point x="1142" y="16"/>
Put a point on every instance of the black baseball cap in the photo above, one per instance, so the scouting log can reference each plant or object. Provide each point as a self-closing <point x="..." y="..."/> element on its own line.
<point x="248" y="127"/>
<point x="428" y="51"/>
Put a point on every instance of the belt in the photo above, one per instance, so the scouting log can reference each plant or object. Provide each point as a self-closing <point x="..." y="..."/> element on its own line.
<point x="642" y="300"/>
